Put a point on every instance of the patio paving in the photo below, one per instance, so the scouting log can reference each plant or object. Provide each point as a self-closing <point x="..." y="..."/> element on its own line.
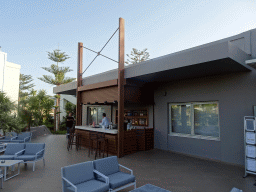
<point x="174" y="172"/>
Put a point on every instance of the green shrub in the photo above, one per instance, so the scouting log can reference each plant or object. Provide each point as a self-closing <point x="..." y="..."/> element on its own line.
<point x="59" y="132"/>
<point x="49" y="125"/>
<point x="63" y="126"/>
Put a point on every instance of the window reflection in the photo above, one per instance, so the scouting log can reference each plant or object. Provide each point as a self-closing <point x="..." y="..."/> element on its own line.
<point x="194" y="118"/>
<point x="206" y="120"/>
<point x="181" y="118"/>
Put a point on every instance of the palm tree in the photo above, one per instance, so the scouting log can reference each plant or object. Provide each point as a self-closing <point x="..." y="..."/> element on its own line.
<point x="59" y="76"/>
<point x="8" y="120"/>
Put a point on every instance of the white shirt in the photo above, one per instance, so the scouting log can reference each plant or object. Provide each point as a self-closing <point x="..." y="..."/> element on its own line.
<point x="105" y="122"/>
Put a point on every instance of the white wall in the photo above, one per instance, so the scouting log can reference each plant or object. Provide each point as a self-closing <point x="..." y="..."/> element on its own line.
<point x="9" y="78"/>
<point x="63" y="100"/>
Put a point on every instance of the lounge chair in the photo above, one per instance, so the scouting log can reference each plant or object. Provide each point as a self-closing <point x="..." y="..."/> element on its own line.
<point x="80" y="177"/>
<point x="33" y="152"/>
<point x="12" y="150"/>
<point x="118" y="180"/>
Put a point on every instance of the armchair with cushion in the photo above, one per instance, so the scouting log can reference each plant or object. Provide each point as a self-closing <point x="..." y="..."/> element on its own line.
<point x="8" y="137"/>
<point x="22" y="138"/>
<point x="81" y="177"/>
<point x="33" y="152"/>
<point x="118" y="180"/>
<point x="12" y="150"/>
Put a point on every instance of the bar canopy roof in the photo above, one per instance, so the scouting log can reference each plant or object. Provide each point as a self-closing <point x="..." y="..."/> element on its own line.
<point x="221" y="57"/>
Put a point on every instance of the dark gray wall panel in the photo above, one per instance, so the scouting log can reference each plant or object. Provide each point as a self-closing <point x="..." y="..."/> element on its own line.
<point x="199" y="147"/>
<point x="236" y="96"/>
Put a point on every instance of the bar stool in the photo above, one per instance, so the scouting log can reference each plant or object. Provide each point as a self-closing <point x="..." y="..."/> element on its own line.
<point x="74" y="139"/>
<point x="102" y="143"/>
<point x="93" y="138"/>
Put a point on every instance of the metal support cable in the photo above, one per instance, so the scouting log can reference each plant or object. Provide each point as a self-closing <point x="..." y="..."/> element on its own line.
<point x="90" y="64"/>
<point x="101" y="54"/>
<point x="109" y="39"/>
<point x="98" y="53"/>
<point x="109" y="58"/>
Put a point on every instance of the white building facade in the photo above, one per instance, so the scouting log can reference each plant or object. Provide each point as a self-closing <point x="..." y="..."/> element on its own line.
<point x="63" y="101"/>
<point x="9" y="78"/>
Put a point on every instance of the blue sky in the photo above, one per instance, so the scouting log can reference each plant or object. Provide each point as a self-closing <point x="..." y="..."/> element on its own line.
<point x="31" y="28"/>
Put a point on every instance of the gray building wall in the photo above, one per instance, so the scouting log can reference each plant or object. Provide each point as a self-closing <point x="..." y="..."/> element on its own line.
<point x="236" y="96"/>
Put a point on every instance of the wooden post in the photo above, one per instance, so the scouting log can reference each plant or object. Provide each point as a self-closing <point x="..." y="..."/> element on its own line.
<point x="79" y="84"/>
<point x="120" y="151"/>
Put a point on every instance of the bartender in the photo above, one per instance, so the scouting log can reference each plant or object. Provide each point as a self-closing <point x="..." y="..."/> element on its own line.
<point x="105" y="121"/>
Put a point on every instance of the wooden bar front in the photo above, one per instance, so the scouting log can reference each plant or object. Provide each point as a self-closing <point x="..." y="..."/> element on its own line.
<point x="134" y="140"/>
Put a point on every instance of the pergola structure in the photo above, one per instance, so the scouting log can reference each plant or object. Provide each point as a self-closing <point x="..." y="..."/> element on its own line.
<point x="107" y="85"/>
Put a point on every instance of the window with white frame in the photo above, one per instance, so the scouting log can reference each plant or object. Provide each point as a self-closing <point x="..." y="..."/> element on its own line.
<point x="197" y="119"/>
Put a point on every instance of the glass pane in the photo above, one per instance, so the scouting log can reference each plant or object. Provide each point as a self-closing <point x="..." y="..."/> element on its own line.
<point x="92" y="115"/>
<point x="206" y="119"/>
<point x="101" y="110"/>
<point x="95" y="114"/>
<point x="180" y="120"/>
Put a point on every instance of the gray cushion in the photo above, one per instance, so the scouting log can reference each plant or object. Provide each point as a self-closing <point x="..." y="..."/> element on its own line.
<point x="33" y="148"/>
<point x="106" y="166"/>
<point x="23" y="135"/>
<point x="13" y="148"/>
<point x="79" y="173"/>
<point x="27" y="157"/>
<point x="91" y="186"/>
<point x="7" y="138"/>
<point x="6" y="157"/>
<point x="17" y="141"/>
<point x="119" y="179"/>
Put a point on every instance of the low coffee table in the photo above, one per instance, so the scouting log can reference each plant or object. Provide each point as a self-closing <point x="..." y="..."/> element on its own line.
<point x="9" y="163"/>
<point x="149" y="188"/>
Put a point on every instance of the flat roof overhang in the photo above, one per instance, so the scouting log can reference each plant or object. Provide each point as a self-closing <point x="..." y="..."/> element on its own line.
<point x="222" y="58"/>
<point x="67" y="89"/>
<point x="205" y="60"/>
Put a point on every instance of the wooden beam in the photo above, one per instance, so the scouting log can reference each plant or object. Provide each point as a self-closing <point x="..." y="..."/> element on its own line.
<point x="120" y="151"/>
<point x="79" y="84"/>
<point x="98" y="85"/>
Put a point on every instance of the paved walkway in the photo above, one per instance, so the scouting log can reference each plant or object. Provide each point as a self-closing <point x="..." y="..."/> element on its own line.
<point x="173" y="172"/>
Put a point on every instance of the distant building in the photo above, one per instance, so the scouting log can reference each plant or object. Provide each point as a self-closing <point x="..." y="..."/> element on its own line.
<point x="9" y="77"/>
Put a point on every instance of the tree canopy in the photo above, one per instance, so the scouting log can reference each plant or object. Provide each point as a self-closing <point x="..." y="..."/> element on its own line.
<point x="58" y="72"/>
<point x="25" y="85"/>
<point x="137" y="56"/>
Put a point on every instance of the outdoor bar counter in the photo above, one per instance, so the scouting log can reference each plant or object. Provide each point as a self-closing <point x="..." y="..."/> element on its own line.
<point x="134" y="140"/>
